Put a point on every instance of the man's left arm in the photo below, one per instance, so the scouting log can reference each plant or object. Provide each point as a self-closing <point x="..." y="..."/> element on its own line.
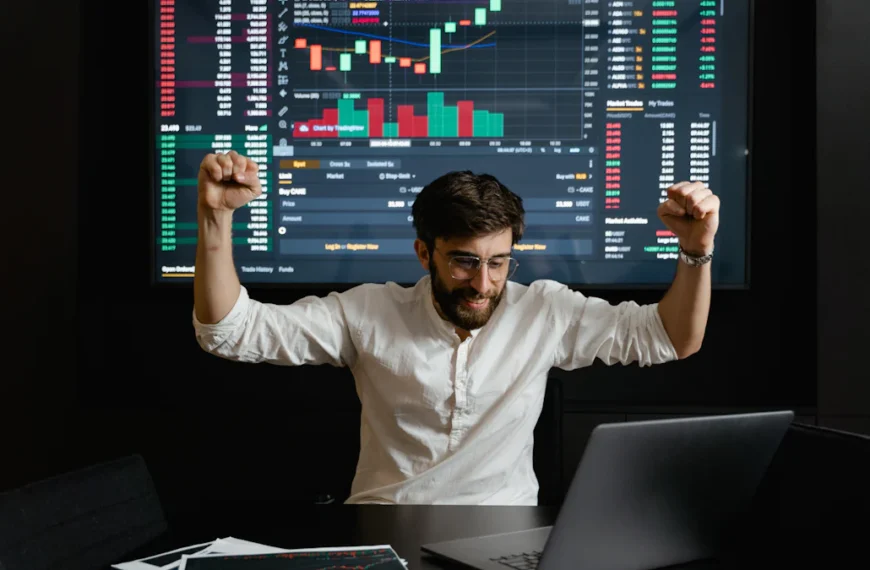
<point x="692" y="213"/>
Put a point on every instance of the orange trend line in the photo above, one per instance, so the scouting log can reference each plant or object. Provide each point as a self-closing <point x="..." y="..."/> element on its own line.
<point x="475" y="42"/>
<point x="418" y="60"/>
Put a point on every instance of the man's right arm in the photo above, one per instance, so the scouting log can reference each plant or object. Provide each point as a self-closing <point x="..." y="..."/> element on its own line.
<point x="216" y="285"/>
<point x="225" y="182"/>
<point x="227" y="322"/>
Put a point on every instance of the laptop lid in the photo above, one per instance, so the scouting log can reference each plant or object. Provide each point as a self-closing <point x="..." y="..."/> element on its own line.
<point x="661" y="492"/>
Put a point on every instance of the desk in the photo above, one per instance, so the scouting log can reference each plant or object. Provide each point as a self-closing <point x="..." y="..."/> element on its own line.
<point x="403" y="527"/>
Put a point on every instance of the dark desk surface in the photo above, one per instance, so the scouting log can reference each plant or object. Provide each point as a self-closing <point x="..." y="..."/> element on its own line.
<point x="405" y="528"/>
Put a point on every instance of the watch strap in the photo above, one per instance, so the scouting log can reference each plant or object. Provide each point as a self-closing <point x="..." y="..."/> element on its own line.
<point x="695" y="260"/>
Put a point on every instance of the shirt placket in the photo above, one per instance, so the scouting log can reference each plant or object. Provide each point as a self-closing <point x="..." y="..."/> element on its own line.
<point x="460" y="393"/>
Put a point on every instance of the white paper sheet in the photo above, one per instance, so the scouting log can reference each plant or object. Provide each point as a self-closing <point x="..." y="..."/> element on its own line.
<point x="144" y="564"/>
<point x="221" y="547"/>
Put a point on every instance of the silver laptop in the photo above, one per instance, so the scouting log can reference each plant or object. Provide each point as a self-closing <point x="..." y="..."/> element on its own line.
<point x="645" y="495"/>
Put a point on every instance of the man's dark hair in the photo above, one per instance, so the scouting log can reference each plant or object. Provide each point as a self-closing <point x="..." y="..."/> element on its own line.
<point x="463" y="204"/>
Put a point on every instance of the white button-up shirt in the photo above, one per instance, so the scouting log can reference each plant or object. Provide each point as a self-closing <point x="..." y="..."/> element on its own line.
<point x="443" y="421"/>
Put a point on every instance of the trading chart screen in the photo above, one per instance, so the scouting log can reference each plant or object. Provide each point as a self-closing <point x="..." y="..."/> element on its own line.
<point x="588" y="109"/>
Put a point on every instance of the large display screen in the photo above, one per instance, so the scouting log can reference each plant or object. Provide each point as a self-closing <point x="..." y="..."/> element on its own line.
<point x="588" y="109"/>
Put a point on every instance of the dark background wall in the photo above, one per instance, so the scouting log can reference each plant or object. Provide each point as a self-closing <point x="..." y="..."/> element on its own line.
<point x="843" y="278"/>
<point x="101" y="365"/>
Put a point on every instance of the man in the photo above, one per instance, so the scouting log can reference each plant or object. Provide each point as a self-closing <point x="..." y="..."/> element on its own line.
<point x="451" y="372"/>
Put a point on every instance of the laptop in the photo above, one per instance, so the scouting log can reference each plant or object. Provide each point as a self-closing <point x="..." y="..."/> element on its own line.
<point x="646" y="494"/>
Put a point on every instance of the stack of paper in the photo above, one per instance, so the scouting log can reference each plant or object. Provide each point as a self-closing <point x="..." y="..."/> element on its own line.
<point x="235" y="554"/>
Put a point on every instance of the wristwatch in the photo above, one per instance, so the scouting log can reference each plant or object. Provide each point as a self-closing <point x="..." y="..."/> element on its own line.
<point x="694" y="260"/>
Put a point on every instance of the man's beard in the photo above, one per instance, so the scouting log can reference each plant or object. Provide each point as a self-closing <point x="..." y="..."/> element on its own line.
<point x="450" y="303"/>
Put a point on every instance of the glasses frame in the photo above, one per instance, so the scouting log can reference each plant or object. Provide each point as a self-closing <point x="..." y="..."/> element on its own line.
<point x="480" y="262"/>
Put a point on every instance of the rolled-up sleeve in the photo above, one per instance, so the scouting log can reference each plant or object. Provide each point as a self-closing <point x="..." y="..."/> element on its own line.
<point x="593" y="328"/>
<point x="312" y="330"/>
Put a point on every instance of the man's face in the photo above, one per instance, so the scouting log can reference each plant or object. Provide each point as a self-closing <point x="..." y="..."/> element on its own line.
<point x="469" y="303"/>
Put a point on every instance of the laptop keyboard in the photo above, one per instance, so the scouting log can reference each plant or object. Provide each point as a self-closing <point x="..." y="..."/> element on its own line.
<point x="523" y="561"/>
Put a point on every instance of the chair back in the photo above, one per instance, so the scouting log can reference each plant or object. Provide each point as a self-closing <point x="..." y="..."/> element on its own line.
<point x="815" y="497"/>
<point x="81" y="520"/>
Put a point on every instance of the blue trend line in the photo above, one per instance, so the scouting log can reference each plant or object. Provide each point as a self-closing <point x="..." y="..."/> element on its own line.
<point x="417" y="44"/>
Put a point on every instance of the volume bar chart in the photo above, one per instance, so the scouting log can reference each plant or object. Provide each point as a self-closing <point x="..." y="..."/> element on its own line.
<point x="440" y="121"/>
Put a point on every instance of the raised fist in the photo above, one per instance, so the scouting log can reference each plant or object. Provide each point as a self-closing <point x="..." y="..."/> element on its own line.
<point x="227" y="182"/>
<point x="692" y="213"/>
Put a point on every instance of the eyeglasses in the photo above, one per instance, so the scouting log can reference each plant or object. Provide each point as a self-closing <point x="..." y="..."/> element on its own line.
<point x="466" y="267"/>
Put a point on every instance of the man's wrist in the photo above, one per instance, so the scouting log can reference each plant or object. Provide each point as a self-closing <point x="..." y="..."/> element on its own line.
<point x="214" y="227"/>
<point x="213" y="217"/>
<point x="696" y="250"/>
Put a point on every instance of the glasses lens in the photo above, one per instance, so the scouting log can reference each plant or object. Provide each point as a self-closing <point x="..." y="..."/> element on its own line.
<point x="502" y="268"/>
<point x="512" y="267"/>
<point x="464" y="267"/>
